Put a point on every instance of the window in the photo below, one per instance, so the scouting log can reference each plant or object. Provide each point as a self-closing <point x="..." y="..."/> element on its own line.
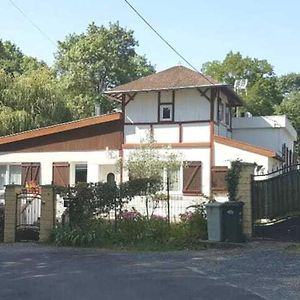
<point x="221" y="111"/>
<point x="10" y="174"/>
<point x="15" y="174"/>
<point x="166" y="112"/>
<point x="110" y="178"/>
<point x="174" y="180"/>
<point x="80" y="173"/>
<point x="227" y="115"/>
<point x="2" y="176"/>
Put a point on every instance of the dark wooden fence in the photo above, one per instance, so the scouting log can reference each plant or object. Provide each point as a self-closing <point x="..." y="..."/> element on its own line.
<point x="276" y="195"/>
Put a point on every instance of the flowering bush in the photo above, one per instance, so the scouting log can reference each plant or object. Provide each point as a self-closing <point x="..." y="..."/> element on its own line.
<point x="186" y="217"/>
<point x="130" y="215"/>
<point x="158" y="218"/>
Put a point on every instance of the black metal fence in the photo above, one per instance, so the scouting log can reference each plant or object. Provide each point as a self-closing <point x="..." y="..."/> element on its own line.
<point x="276" y="195"/>
<point x="28" y="214"/>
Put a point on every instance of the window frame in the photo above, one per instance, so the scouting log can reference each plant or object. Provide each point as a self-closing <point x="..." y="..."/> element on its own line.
<point x="76" y="164"/>
<point x="164" y="180"/>
<point x="161" y="111"/>
<point x="8" y="174"/>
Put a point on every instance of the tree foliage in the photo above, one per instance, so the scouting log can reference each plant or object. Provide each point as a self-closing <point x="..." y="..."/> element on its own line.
<point x="290" y="106"/>
<point x="93" y="61"/>
<point x="31" y="100"/>
<point x="33" y="95"/>
<point x="289" y="83"/>
<point x="263" y="92"/>
<point x="235" y="66"/>
<point x="14" y="62"/>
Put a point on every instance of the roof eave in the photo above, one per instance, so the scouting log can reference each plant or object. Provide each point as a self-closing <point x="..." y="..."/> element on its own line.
<point x="62" y="127"/>
<point x="161" y="89"/>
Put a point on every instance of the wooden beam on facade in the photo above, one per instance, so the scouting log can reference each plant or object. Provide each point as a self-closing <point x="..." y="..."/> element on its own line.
<point x="203" y="93"/>
<point x="129" y="98"/>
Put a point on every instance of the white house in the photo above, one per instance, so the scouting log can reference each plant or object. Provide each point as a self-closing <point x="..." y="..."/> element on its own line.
<point x="194" y="115"/>
<point x="183" y="109"/>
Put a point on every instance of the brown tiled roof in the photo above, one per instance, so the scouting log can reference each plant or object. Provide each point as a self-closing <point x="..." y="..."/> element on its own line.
<point x="59" y="128"/>
<point x="173" y="78"/>
<point x="244" y="146"/>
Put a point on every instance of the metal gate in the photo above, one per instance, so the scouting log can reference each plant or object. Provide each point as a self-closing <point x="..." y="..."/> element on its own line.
<point x="28" y="213"/>
<point x="276" y="203"/>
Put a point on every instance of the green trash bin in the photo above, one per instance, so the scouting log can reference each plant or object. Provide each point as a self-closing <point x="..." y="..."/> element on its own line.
<point x="233" y="221"/>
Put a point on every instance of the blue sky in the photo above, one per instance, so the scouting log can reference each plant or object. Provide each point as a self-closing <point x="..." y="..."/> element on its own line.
<point x="201" y="30"/>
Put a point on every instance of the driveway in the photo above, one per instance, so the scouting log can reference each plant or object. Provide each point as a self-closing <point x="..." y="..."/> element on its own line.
<point x="262" y="270"/>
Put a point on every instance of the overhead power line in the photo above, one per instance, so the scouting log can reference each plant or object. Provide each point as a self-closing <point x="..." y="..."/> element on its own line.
<point x="165" y="41"/>
<point x="31" y="22"/>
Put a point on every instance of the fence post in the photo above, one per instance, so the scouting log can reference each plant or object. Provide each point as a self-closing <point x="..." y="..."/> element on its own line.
<point x="10" y="197"/>
<point x="244" y="195"/>
<point x="48" y="212"/>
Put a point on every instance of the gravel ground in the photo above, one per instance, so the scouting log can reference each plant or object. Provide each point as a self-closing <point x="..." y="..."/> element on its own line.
<point x="261" y="270"/>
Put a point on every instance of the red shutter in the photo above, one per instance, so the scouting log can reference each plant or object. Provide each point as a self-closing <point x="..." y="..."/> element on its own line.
<point x="61" y="174"/>
<point x="192" y="177"/>
<point x="31" y="173"/>
<point x="218" y="181"/>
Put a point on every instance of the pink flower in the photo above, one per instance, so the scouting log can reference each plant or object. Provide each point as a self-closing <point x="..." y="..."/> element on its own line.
<point x="186" y="217"/>
<point x="130" y="215"/>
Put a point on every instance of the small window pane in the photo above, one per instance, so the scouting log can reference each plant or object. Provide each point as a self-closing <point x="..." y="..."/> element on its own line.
<point x="166" y="112"/>
<point x="80" y="173"/>
<point x="2" y="177"/>
<point x="175" y="180"/>
<point x="227" y="115"/>
<point x="15" y="174"/>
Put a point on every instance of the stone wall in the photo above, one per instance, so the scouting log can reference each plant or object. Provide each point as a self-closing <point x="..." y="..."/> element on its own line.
<point x="10" y="212"/>
<point x="244" y="195"/>
<point x="47" y="218"/>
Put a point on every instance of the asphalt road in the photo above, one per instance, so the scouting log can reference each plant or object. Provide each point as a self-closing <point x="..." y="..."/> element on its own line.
<point x="260" y="271"/>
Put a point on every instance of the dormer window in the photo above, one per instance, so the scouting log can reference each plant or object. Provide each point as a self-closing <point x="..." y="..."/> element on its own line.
<point x="166" y="112"/>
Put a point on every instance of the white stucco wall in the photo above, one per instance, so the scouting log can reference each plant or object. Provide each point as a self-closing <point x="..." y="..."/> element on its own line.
<point x="166" y="133"/>
<point x="93" y="159"/>
<point x="195" y="132"/>
<point x="191" y="106"/>
<point x="189" y="155"/>
<point x="270" y="132"/>
<point x="142" y="109"/>
<point x="225" y="154"/>
<point x="135" y="133"/>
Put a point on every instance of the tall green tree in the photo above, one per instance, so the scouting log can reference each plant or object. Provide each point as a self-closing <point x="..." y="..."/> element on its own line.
<point x="289" y="83"/>
<point x="91" y="62"/>
<point x="290" y="106"/>
<point x="14" y="62"/>
<point x="262" y="91"/>
<point x="31" y="100"/>
<point x="235" y="66"/>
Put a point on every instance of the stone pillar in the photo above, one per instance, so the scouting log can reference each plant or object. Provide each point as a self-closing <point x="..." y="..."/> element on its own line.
<point x="244" y="195"/>
<point x="48" y="212"/>
<point x="10" y="197"/>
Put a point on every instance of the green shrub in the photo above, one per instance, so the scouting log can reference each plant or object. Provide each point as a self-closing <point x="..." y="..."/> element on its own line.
<point x="135" y="231"/>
